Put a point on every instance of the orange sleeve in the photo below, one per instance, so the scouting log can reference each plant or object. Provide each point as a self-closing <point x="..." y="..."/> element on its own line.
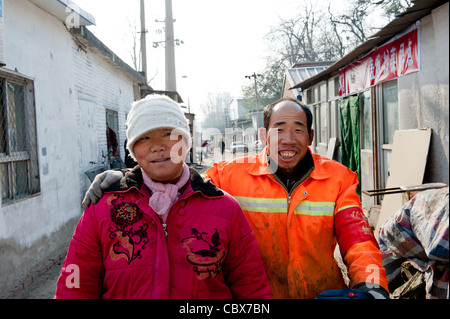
<point x="214" y="172"/>
<point x="364" y="264"/>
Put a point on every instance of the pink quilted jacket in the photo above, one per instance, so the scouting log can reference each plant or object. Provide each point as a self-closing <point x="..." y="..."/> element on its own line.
<point x="120" y="249"/>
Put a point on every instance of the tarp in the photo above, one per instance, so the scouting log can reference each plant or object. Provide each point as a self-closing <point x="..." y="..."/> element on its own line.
<point x="418" y="233"/>
<point x="350" y="149"/>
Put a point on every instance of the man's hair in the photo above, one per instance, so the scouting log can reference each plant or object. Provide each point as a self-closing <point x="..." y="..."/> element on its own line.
<point x="269" y="108"/>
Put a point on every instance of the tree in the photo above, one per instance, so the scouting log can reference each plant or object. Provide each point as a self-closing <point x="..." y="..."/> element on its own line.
<point x="294" y="38"/>
<point x="392" y="8"/>
<point x="316" y="33"/>
<point x="135" y="53"/>
<point x="216" y="109"/>
<point x="353" y="22"/>
<point x="269" y="86"/>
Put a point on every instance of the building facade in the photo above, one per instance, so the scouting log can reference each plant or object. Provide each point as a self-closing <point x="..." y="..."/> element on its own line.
<point x="415" y="98"/>
<point x="64" y="101"/>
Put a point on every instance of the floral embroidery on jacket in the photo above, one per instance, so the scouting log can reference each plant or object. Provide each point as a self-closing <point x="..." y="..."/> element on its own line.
<point x="206" y="257"/>
<point x="131" y="239"/>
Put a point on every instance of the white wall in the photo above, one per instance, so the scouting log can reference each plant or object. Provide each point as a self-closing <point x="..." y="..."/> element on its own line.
<point x="424" y="95"/>
<point x="72" y="90"/>
<point x="98" y="86"/>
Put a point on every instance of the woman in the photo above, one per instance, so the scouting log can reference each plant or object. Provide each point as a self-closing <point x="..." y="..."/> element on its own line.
<point x="162" y="231"/>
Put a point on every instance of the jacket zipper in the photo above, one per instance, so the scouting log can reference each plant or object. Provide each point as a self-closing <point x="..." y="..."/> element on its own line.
<point x="297" y="184"/>
<point x="277" y="180"/>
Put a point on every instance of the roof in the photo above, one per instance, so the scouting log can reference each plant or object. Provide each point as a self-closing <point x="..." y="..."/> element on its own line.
<point x="63" y="9"/>
<point x="299" y="72"/>
<point x="87" y="38"/>
<point x="420" y="9"/>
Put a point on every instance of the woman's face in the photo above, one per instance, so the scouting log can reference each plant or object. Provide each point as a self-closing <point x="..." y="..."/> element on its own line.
<point x="160" y="153"/>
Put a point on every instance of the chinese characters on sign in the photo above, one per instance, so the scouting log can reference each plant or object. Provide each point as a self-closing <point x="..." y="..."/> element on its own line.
<point x="390" y="61"/>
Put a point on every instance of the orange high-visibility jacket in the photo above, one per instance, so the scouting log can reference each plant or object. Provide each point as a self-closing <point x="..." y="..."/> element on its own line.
<point x="297" y="232"/>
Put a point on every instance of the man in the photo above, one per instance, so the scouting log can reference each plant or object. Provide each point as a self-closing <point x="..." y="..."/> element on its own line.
<point x="300" y="205"/>
<point x="222" y="148"/>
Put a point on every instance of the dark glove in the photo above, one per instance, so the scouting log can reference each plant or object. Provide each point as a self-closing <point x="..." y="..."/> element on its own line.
<point x="376" y="292"/>
<point x="101" y="182"/>
<point x="345" y="293"/>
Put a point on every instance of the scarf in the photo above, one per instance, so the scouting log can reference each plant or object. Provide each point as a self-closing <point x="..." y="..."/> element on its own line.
<point x="164" y="195"/>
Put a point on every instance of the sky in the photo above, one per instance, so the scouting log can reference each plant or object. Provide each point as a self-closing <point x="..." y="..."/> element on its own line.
<point x="223" y="41"/>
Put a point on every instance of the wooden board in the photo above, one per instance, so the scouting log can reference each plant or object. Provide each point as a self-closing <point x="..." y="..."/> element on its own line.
<point x="331" y="148"/>
<point x="406" y="168"/>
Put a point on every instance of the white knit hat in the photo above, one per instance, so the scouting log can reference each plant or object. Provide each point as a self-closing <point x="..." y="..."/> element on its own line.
<point x="152" y="112"/>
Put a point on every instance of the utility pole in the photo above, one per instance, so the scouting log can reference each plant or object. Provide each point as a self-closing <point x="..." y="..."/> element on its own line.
<point x="143" y="42"/>
<point x="171" y="84"/>
<point x="254" y="76"/>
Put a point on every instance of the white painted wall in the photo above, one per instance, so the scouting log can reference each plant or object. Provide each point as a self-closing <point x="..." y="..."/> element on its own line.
<point x="44" y="54"/>
<point x="424" y="95"/>
<point x="72" y="90"/>
<point x="98" y="86"/>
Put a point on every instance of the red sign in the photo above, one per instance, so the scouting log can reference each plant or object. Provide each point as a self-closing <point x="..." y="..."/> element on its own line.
<point x="388" y="62"/>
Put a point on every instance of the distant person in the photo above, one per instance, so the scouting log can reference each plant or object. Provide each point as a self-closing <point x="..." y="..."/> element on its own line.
<point x="205" y="147"/>
<point x="222" y="148"/>
<point x="162" y="231"/>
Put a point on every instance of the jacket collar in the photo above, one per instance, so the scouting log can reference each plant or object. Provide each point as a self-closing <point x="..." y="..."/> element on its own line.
<point x="134" y="179"/>
<point x="260" y="165"/>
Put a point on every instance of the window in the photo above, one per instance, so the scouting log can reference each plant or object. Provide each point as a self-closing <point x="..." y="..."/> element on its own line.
<point x="19" y="169"/>
<point x="309" y="98"/>
<point x="323" y="123"/>
<point x="331" y="90"/>
<point x="112" y="138"/>
<point x="390" y="111"/>
<point x="333" y="102"/>
<point x="387" y="124"/>
<point x="366" y="120"/>
<point x="315" y="94"/>
<point x="323" y="92"/>
<point x="334" y="117"/>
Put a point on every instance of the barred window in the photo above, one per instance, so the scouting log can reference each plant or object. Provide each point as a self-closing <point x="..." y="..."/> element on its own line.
<point x="19" y="169"/>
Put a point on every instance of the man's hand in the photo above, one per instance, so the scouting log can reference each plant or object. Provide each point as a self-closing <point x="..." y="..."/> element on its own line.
<point x="101" y="182"/>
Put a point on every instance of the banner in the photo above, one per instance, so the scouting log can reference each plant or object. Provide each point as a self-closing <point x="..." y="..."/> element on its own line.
<point x="390" y="61"/>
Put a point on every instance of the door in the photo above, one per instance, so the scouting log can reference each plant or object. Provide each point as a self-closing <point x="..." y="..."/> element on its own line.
<point x="388" y="120"/>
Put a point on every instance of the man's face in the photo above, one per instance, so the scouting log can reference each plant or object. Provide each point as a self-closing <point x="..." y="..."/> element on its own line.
<point x="160" y="153"/>
<point x="287" y="135"/>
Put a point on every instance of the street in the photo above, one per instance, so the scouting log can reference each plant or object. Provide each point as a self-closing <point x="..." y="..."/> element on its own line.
<point x="44" y="286"/>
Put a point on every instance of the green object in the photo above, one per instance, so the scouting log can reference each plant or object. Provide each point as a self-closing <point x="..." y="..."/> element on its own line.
<point x="350" y="147"/>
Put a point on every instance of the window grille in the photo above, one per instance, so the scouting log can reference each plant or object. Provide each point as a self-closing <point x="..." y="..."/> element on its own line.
<point x="19" y="169"/>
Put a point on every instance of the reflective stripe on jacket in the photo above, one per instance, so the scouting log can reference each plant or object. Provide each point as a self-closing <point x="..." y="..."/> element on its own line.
<point x="297" y="231"/>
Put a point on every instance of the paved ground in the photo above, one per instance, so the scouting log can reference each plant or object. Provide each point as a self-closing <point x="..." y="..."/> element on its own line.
<point x="44" y="286"/>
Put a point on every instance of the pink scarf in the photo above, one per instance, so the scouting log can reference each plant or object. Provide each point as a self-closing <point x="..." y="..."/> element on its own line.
<point x="165" y="195"/>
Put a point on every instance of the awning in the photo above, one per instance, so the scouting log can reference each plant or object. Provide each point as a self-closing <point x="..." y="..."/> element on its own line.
<point x="66" y="11"/>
